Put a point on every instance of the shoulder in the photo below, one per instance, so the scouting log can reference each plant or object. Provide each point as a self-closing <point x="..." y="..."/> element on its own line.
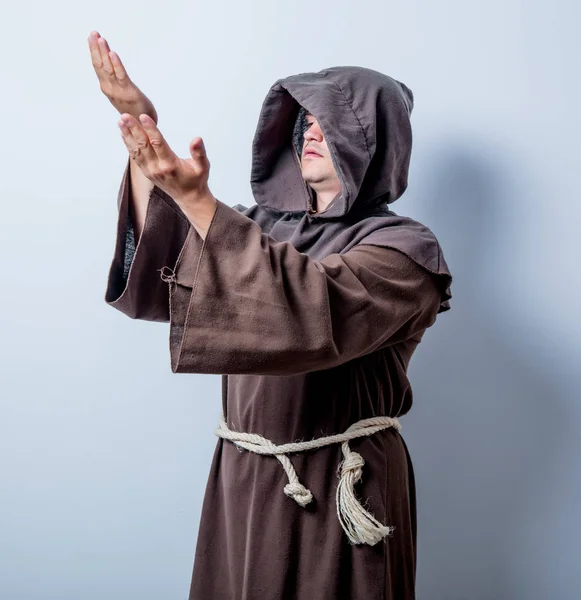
<point x="266" y="218"/>
<point x="411" y="237"/>
<point x="417" y="242"/>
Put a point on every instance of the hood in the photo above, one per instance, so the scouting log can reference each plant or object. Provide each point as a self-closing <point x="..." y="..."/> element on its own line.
<point x="365" y="118"/>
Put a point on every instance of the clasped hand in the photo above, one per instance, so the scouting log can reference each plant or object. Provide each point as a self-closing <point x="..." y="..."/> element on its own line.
<point x="185" y="180"/>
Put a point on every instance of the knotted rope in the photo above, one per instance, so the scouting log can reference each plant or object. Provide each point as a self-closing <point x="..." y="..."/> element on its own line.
<point x="171" y="278"/>
<point x="360" y="526"/>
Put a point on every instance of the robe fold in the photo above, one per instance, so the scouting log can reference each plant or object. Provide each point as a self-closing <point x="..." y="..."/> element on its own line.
<point x="311" y="319"/>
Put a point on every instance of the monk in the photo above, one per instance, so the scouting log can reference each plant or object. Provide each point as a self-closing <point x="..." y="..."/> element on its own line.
<point x="309" y="304"/>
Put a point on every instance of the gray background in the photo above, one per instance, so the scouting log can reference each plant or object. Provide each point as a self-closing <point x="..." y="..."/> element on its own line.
<point x="104" y="452"/>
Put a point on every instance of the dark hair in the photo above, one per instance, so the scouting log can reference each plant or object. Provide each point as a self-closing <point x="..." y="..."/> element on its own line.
<point x="299" y="130"/>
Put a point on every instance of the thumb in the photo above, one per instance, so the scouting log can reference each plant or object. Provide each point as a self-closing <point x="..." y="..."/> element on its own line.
<point x="197" y="148"/>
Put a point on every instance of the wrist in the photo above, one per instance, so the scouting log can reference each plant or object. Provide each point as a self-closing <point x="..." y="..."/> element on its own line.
<point x="199" y="209"/>
<point x="196" y="198"/>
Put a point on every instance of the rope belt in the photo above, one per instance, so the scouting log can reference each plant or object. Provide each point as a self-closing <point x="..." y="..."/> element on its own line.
<point x="359" y="525"/>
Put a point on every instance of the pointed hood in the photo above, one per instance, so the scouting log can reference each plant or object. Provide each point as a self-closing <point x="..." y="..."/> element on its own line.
<point x="365" y="119"/>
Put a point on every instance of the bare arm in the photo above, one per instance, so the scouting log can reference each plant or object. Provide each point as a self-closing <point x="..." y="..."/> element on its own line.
<point x="126" y="97"/>
<point x="199" y="214"/>
<point x="140" y="188"/>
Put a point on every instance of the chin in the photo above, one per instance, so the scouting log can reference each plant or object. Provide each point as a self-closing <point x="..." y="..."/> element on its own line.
<point x="311" y="174"/>
<point x="308" y="177"/>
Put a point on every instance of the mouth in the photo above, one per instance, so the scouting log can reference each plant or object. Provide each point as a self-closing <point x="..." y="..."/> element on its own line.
<point x="311" y="154"/>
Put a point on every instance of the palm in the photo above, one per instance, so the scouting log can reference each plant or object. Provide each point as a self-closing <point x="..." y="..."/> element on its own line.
<point x="115" y="82"/>
<point x="178" y="177"/>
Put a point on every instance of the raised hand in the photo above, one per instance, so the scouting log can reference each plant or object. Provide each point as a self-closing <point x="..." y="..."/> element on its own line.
<point x="185" y="180"/>
<point x="123" y="94"/>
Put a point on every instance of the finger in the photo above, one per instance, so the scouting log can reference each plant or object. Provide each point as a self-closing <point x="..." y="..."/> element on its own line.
<point x="104" y="50"/>
<point x="130" y="143"/>
<point x="94" y="48"/>
<point x="118" y="67"/>
<point x="156" y="139"/>
<point x="138" y="141"/>
<point x="198" y="148"/>
<point x="135" y="155"/>
<point x="198" y="153"/>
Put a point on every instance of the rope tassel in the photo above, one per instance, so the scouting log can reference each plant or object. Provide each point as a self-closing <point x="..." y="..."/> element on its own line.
<point x="360" y="526"/>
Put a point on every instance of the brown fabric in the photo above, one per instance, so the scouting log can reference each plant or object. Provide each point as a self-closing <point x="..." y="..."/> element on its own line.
<point x="311" y="320"/>
<point x="280" y="312"/>
<point x="167" y="227"/>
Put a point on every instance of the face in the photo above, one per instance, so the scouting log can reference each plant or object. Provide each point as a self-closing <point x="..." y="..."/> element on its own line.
<point x="316" y="164"/>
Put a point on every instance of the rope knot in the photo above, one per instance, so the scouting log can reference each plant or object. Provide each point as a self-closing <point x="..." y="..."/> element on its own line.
<point x="297" y="491"/>
<point x="167" y="278"/>
<point x="353" y="463"/>
<point x="360" y="525"/>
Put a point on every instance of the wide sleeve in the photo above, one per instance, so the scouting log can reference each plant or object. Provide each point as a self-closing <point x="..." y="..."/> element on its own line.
<point x="246" y="303"/>
<point x="134" y="285"/>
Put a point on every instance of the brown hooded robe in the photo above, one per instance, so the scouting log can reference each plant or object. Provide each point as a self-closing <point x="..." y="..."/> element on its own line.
<point x="311" y="319"/>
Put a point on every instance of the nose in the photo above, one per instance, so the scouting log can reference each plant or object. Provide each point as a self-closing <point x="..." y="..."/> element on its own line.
<point x="314" y="133"/>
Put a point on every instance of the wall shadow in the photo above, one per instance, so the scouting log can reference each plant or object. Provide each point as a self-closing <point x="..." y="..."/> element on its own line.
<point x="482" y="430"/>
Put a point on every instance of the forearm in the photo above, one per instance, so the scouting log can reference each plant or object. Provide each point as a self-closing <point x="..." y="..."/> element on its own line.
<point x="140" y="188"/>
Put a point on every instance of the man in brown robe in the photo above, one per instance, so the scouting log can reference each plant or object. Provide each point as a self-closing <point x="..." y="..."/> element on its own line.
<point x="310" y="307"/>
